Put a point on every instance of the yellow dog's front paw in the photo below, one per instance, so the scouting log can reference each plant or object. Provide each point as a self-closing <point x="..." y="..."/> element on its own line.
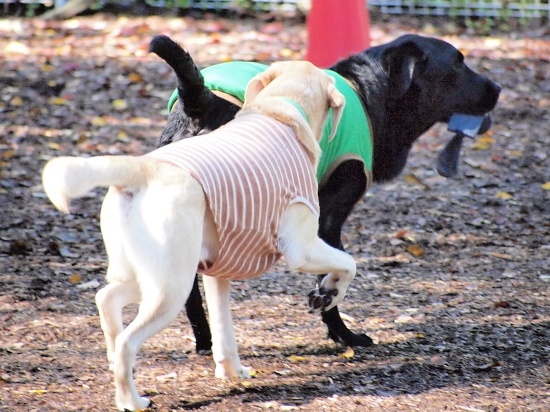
<point x="227" y="370"/>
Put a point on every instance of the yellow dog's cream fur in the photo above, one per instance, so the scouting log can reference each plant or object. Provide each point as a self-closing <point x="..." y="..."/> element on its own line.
<point x="154" y="214"/>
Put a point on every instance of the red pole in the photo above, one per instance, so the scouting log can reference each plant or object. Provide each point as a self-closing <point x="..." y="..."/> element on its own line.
<point x="336" y="29"/>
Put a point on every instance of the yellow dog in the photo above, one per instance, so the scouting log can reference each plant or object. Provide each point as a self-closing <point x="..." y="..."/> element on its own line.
<point x="158" y="205"/>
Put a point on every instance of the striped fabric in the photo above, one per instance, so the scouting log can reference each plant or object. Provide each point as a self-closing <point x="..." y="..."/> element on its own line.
<point x="353" y="139"/>
<point x="251" y="170"/>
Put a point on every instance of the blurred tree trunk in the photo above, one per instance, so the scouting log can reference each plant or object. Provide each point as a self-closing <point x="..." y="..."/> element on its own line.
<point x="69" y="9"/>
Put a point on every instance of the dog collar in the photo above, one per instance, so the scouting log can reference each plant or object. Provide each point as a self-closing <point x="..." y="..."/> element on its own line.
<point x="296" y="105"/>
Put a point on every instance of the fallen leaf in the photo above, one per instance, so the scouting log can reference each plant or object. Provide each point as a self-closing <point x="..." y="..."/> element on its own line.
<point x="54" y="145"/>
<point x="16" y="101"/>
<point x="348" y="354"/>
<point x="122" y="136"/>
<point x="120" y="104"/>
<point x="7" y="154"/>
<point x="546" y="186"/>
<point x="483" y="143"/>
<point x="135" y="78"/>
<point x="481" y="146"/>
<point x="283" y="372"/>
<point x="98" y="121"/>
<point x="503" y="195"/>
<point x="412" y="179"/>
<point x="293" y="358"/>
<point x="415" y="250"/>
<point x="486" y="139"/>
<point x="499" y="255"/>
<point x="58" y="101"/>
<point x="167" y="377"/>
<point x="401" y="234"/>
<point x="76" y="278"/>
<point x="502" y="304"/>
<point x="82" y="138"/>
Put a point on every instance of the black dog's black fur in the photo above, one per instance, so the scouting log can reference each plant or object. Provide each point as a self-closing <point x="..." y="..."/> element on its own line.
<point x="406" y="86"/>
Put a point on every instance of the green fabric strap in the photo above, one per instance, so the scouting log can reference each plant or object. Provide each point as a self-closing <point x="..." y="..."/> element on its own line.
<point x="353" y="138"/>
<point x="231" y="78"/>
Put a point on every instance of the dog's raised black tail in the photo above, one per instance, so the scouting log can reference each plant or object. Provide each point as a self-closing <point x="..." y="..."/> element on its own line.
<point x="200" y="109"/>
<point x="191" y="89"/>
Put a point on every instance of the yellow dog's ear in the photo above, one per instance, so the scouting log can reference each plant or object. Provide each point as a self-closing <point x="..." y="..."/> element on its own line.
<point x="259" y="82"/>
<point x="337" y="102"/>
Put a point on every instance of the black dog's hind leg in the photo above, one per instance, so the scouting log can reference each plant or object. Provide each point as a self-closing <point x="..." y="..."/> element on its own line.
<point x="343" y="190"/>
<point x="199" y="323"/>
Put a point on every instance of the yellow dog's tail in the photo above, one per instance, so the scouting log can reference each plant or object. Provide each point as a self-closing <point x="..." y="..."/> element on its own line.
<point x="64" y="178"/>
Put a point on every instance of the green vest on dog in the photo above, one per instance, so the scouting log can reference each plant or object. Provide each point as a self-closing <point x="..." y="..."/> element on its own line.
<point x="353" y="139"/>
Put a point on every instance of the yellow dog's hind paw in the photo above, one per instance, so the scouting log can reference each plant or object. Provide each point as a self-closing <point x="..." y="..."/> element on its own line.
<point x="142" y="405"/>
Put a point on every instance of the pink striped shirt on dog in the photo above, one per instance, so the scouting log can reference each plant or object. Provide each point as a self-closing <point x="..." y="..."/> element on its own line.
<point x="251" y="170"/>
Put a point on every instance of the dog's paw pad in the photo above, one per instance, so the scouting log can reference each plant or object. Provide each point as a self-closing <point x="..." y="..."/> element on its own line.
<point x="320" y="299"/>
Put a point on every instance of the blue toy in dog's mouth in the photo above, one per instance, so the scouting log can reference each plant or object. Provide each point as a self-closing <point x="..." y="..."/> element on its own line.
<point x="469" y="125"/>
<point x="462" y="125"/>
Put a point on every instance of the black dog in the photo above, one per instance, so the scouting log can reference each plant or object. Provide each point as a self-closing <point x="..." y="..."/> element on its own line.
<point x="406" y="86"/>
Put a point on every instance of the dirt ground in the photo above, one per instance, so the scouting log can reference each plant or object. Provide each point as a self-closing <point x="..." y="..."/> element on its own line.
<point x="453" y="274"/>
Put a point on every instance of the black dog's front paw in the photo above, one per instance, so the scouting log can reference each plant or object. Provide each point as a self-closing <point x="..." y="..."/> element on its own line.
<point x="320" y="299"/>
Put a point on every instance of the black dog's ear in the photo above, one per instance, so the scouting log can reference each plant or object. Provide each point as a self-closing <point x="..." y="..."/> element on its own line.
<point x="400" y="63"/>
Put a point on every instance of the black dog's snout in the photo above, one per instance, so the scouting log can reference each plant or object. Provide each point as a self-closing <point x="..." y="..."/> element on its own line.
<point x="495" y="88"/>
<point x="490" y="97"/>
